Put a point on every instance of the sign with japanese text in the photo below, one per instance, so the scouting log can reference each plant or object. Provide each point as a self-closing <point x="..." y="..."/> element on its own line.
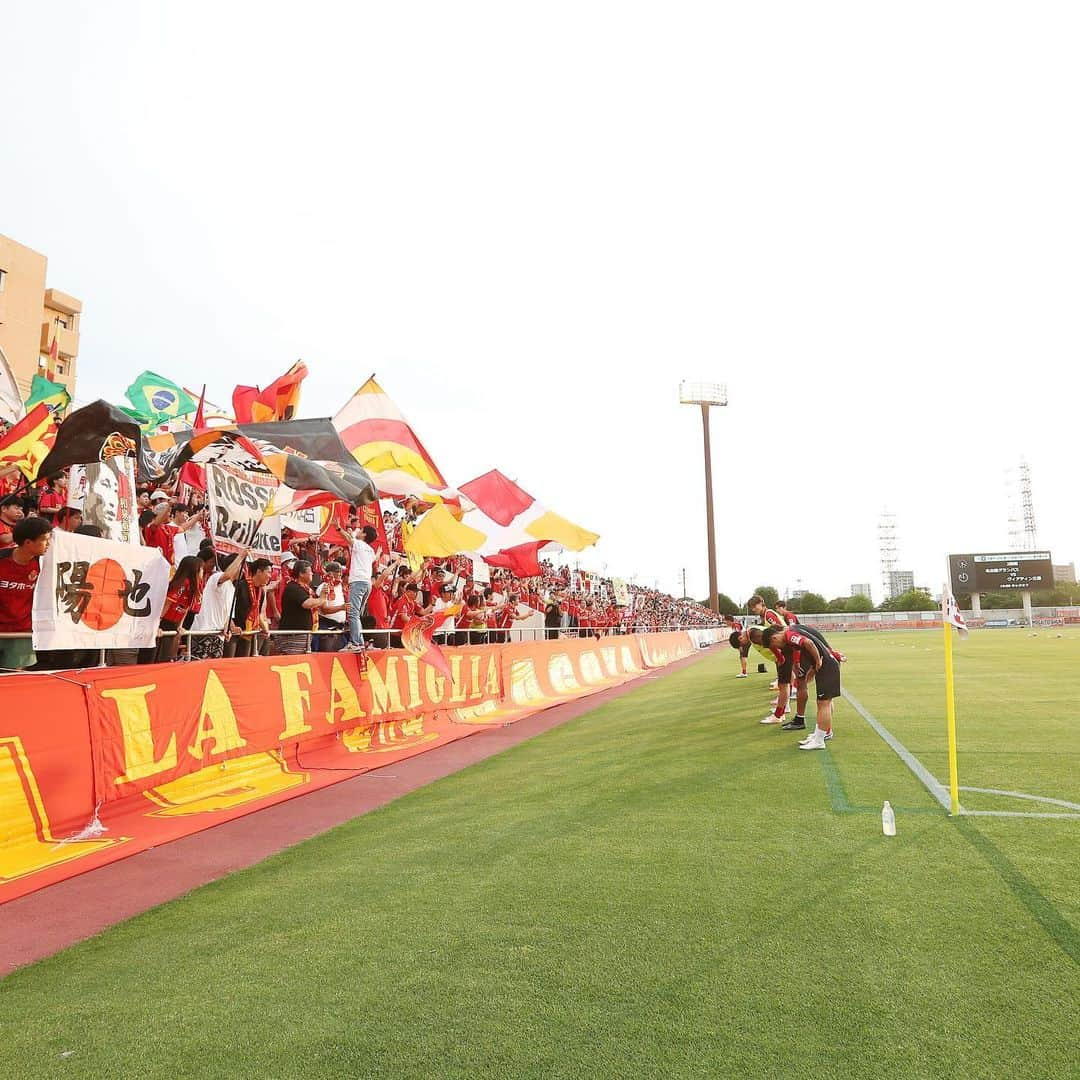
<point x="98" y="594"/>
<point x="1022" y="571"/>
<point x="238" y="499"/>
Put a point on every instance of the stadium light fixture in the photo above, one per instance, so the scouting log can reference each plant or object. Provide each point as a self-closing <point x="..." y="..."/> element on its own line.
<point x="706" y="394"/>
<point x="702" y="393"/>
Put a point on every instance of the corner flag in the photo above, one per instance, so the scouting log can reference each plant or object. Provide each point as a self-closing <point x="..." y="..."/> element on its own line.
<point x="950" y="613"/>
<point x="951" y="618"/>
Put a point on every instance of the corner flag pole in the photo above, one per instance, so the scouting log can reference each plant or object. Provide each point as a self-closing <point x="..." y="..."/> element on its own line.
<point x="950" y="716"/>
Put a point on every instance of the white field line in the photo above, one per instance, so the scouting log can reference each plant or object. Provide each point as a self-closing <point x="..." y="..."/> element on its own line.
<point x="1021" y="795"/>
<point x="925" y="776"/>
<point x="939" y="791"/>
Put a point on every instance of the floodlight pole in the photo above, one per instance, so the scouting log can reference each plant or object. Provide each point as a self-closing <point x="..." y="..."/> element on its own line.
<point x="710" y="527"/>
<point x="706" y="395"/>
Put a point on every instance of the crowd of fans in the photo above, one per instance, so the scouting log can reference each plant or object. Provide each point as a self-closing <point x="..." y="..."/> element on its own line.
<point x="355" y="589"/>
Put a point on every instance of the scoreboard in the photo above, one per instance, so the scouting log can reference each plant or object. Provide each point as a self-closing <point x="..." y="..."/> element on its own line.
<point x="1000" y="572"/>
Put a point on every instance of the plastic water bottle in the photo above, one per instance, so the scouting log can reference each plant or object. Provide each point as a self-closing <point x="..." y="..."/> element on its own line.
<point x="888" y="820"/>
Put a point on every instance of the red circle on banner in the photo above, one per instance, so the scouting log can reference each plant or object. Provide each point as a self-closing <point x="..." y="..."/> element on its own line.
<point x="108" y="585"/>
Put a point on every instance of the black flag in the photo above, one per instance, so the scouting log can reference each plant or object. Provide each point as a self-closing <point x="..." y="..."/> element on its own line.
<point x="95" y="432"/>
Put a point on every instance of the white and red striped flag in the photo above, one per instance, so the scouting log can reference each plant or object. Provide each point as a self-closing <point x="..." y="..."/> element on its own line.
<point x="951" y="614"/>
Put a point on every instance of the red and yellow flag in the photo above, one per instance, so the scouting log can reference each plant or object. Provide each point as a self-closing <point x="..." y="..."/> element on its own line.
<point x="28" y="443"/>
<point x="279" y="401"/>
<point x="416" y="639"/>
<point x="374" y="431"/>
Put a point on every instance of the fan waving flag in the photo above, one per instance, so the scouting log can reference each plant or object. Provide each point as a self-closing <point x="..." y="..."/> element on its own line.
<point x="279" y="401"/>
<point x="28" y="443"/>
<point x="379" y="438"/>
<point x="158" y="399"/>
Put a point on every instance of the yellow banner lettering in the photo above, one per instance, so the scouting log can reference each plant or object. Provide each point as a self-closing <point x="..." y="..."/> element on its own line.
<point x="217" y="721"/>
<point x="385" y="695"/>
<point x="343" y="697"/>
<point x="294" y="698"/>
<point x="134" y="713"/>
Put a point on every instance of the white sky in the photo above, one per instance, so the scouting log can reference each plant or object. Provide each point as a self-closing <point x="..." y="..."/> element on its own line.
<point x="532" y="220"/>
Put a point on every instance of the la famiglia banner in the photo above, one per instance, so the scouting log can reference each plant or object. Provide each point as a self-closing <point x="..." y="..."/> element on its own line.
<point x="97" y="765"/>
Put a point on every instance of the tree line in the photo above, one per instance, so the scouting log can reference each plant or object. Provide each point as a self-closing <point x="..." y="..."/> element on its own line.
<point x="913" y="600"/>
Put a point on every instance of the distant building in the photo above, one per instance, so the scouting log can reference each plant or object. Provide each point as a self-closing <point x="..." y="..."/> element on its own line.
<point x="34" y="318"/>
<point x="798" y="594"/>
<point x="1065" y="575"/>
<point x="900" y="582"/>
<point x="861" y="590"/>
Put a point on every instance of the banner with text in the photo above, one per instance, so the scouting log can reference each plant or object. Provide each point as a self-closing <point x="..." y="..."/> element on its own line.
<point x="98" y="594"/>
<point x="134" y="757"/>
<point x="238" y="499"/>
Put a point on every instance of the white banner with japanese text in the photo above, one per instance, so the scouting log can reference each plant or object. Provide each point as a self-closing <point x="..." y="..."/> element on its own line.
<point x="98" y="594"/>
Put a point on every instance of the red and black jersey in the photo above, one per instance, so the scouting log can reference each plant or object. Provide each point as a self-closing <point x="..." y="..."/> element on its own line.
<point x="17" y="582"/>
<point x="178" y="601"/>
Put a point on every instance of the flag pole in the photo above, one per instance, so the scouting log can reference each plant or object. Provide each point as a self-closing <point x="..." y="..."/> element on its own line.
<point x="950" y="718"/>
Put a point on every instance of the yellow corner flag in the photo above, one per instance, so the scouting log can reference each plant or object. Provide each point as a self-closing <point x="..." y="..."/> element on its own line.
<point x="950" y="619"/>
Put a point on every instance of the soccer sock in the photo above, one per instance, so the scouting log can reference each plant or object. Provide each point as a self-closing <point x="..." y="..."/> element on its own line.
<point x="799" y="717"/>
<point x="778" y="712"/>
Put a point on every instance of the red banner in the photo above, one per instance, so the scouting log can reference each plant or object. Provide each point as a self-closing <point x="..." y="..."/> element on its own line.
<point x="129" y="758"/>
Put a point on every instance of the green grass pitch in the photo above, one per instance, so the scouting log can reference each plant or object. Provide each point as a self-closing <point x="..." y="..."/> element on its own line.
<point x="661" y="888"/>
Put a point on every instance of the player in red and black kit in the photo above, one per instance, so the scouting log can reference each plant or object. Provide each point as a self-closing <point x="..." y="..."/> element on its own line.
<point x="785" y="613"/>
<point x="769" y="617"/>
<point x="735" y="640"/>
<point x="793" y="648"/>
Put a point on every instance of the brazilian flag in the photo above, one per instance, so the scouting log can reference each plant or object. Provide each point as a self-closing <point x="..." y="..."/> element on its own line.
<point x="45" y="392"/>
<point x="157" y="398"/>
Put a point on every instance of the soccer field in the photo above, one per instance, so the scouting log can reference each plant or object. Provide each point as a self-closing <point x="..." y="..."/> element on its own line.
<point x="662" y="887"/>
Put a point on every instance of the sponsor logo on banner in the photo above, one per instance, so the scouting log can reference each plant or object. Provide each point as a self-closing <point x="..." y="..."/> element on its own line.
<point x="238" y="499"/>
<point x="98" y="594"/>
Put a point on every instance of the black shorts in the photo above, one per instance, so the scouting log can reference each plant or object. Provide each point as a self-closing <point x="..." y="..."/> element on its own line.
<point x="828" y="679"/>
<point x="783" y="672"/>
<point x="744" y="650"/>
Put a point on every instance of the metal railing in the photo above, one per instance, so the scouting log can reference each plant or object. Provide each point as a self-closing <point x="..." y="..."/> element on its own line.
<point x="380" y="638"/>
